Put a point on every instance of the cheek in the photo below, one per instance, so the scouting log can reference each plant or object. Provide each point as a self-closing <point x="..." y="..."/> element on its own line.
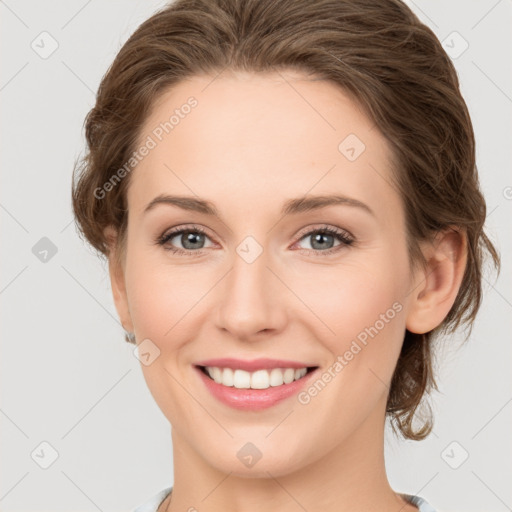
<point x="351" y="298"/>
<point x="162" y="297"/>
<point x="366" y="323"/>
<point x="362" y="315"/>
<point x="161" y="301"/>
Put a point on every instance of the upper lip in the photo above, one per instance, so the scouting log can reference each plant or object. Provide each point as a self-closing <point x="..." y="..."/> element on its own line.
<point x="253" y="365"/>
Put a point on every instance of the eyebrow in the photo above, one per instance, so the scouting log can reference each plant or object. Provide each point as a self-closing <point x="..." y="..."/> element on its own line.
<point x="291" y="206"/>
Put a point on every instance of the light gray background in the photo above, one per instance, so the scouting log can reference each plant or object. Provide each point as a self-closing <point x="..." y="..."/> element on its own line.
<point x="70" y="380"/>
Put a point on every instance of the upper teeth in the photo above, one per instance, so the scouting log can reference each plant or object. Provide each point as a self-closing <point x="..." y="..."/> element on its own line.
<point x="260" y="379"/>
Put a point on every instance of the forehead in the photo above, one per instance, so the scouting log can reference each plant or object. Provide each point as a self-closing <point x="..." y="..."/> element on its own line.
<point x="246" y="137"/>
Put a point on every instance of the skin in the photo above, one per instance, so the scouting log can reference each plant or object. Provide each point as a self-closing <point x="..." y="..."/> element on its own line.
<point x="253" y="142"/>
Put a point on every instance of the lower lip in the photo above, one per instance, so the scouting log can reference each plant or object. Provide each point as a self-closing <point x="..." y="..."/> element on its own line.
<point x="253" y="399"/>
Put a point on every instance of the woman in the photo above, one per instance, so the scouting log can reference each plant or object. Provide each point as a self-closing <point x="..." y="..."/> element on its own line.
<point x="230" y="141"/>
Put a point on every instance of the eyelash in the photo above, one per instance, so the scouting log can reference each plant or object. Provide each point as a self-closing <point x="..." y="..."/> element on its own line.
<point x="345" y="239"/>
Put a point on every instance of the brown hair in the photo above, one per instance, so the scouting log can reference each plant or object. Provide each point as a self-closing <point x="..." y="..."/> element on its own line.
<point x="379" y="53"/>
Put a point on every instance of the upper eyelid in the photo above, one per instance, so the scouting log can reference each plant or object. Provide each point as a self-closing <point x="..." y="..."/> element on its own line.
<point x="309" y="230"/>
<point x="168" y="235"/>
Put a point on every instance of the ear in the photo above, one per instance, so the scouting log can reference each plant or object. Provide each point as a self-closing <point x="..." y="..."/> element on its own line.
<point x="117" y="280"/>
<point x="437" y="285"/>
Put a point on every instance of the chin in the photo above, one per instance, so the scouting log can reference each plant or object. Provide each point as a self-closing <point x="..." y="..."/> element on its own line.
<point x="248" y="462"/>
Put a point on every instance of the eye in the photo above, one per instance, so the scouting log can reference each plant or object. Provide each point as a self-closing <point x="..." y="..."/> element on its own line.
<point x="192" y="239"/>
<point x="321" y="241"/>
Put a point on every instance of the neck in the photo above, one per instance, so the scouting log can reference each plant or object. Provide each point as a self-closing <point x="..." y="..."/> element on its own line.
<point x="350" y="477"/>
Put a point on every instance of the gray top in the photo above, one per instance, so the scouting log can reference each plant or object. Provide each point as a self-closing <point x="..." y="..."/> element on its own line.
<point x="154" y="502"/>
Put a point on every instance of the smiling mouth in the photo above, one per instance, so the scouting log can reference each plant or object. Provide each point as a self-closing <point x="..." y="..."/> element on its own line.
<point x="259" y="379"/>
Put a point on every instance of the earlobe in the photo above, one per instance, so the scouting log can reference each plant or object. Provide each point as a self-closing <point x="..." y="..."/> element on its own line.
<point x="117" y="280"/>
<point x="436" y="286"/>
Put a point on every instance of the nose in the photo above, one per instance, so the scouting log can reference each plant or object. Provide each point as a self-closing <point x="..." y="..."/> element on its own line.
<point x="251" y="300"/>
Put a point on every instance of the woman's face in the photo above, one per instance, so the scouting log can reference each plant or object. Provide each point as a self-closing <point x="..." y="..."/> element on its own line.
<point x="261" y="280"/>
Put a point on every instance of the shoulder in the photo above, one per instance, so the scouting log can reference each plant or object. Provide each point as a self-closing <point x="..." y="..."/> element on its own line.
<point x="153" y="503"/>
<point x="422" y="504"/>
